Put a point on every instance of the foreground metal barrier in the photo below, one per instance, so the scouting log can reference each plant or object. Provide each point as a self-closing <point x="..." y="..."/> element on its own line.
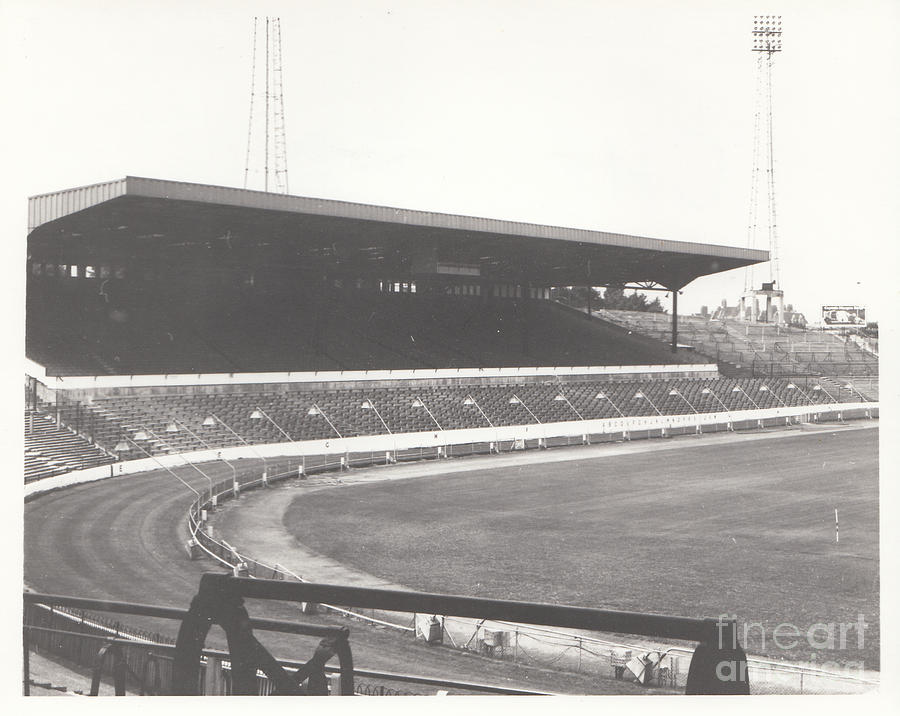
<point x="718" y="665"/>
<point x="218" y="603"/>
<point x="188" y="655"/>
<point x="142" y="662"/>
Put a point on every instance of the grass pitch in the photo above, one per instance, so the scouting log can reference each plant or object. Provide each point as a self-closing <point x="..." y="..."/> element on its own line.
<point x="745" y="529"/>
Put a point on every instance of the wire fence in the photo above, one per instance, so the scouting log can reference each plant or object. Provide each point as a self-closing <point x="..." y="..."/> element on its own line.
<point x="76" y="636"/>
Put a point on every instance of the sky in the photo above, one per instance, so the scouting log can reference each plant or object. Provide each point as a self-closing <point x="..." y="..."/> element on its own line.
<point x="632" y="117"/>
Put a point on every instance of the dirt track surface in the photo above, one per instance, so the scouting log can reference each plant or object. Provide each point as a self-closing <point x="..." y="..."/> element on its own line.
<point x="124" y="539"/>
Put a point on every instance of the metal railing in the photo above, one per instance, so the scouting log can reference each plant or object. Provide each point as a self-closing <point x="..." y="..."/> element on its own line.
<point x="142" y="663"/>
<point x="150" y="664"/>
<point x="718" y="664"/>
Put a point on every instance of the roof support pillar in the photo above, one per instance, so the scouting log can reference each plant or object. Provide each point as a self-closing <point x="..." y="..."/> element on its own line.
<point x="674" y="320"/>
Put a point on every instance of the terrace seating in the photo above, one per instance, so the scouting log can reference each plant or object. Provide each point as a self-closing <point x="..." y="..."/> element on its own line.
<point x="53" y="450"/>
<point x="756" y="349"/>
<point x="160" y="424"/>
<point x="322" y="330"/>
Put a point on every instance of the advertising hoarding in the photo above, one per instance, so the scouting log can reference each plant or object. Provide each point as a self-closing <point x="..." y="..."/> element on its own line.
<point x="843" y="316"/>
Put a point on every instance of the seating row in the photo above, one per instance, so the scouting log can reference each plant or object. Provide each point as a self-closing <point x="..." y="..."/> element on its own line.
<point x="175" y="423"/>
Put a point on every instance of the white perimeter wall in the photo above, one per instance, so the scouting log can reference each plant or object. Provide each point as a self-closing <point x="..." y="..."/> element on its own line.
<point x="432" y="439"/>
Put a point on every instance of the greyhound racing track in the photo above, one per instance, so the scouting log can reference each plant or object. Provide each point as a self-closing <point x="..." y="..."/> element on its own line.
<point x="124" y="538"/>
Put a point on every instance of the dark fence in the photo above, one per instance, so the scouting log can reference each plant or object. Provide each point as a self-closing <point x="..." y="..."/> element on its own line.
<point x="188" y="668"/>
<point x="143" y="663"/>
<point x="718" y="664"/>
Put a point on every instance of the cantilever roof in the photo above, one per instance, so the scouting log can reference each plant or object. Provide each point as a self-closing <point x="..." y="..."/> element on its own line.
<point x="175" y="199"/>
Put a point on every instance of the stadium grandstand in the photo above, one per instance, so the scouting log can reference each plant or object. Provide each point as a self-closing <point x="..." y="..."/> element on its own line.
<point x="170" y="322"/>
<point x="135" y="282"/>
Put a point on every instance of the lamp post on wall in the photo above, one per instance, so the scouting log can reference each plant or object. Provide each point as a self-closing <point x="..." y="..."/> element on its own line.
<point x="710" y="391"/>
<point x="516" y="400"/>
<point x="791" y="386"/>
<point x="316" y="410"/>
<point x="259" y="413"/>
<point x="177" y="424"/>
<point x="213" y="419"/>
<point x="123" y="446"/>
<point x="641" y="396"/>
<point x="419" y="403"/>
<point x="677" y="392"/>
<point x="767" y="389"/>
<point x="469" y="400"/>
<point x="369" y="405"/>
<point x="603" y="396"/>
<point x="818" y="388"/>
<point x="562" y="397"/>
<point x="849" y="386"/>
<point x="185" y="459"/>
<point x="739" y="389"/>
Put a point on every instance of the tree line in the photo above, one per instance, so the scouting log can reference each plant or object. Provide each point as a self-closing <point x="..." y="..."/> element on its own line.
<point x="614" y="297"/>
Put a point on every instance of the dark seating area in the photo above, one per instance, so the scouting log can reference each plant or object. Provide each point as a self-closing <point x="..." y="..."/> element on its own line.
<point x="321" y="331"/>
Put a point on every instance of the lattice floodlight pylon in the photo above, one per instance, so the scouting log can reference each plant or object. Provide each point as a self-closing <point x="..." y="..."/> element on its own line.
<point x="766" y="41"/>
<point x="274" y="129"/>
<point x="767" y="33"/>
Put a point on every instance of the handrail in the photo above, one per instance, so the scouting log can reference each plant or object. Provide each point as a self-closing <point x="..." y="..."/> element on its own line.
<point x="653" y="625"/>
<point x="294" y="664"/>
<point x="717" y="648"/>
<point x="146" y="610"/>
<point x="246" y="653"/>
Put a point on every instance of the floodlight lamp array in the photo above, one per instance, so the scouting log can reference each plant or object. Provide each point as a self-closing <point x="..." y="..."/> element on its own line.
<point x="767" y="33"/>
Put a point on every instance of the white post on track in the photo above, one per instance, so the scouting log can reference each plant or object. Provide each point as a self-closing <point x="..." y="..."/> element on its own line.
<point x="837" y="529"/>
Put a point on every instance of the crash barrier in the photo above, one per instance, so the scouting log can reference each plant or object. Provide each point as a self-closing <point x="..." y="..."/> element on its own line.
<point x="141" y="662"/>
<point x="449" y="443"/>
